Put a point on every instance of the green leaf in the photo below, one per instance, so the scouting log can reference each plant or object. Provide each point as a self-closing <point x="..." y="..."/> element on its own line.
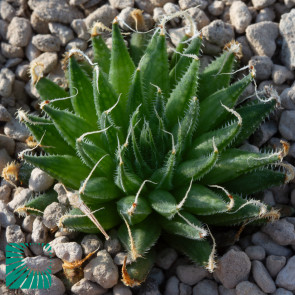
<point x="67" y="169"/>
<point x="81" y="88"/>
<point x="138" y="44"/>
<point x="141" y="211"/>
<point x="201" y="200"/>
<point x="101" y="53"/>
<point x="182" y="45"/>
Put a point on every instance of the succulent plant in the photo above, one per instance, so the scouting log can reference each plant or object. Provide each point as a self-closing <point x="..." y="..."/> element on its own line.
<point x="149" y="145"/>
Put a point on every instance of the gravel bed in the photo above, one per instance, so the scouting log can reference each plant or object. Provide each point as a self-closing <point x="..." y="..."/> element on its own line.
<point x="263" y="261"/>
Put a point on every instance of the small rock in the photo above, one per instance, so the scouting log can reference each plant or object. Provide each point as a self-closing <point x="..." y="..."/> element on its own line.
<point x="121" y="4"/>
<point x="119" y="258"/>
<point x="3" y="29"/>
<point x="225" y="291"/>
<point x="146" y="6"/>
<point x="125" y="18"/>
<point x="218" y="33"/>
<point x="113" y="246"/>
<point x="265" y="132"/>
<point x="216" y="8"/>
<point x="104" y="14"/>
<point x="281" y="291"/>
<point x="166" y="258"/>
<point x="248" y="288"/>
<point x="39" y="25"/>
<point x="7" y="12"/>
<point x="19" y="32"/>
<point x="199" y="16"/>
<point x="56" y="265"/>
<point x="21" y="196"/>
<point x="206" y="287"/>
<point x="4" y="159"/>
<point x="156" y="275"/>
<point x="270" y="247"/>
<point x="27" y="224"/>
<point x="78" y="25"/>
<point x="37" y="263"/>
<point x="185" y="289"/>
<point x="40" y="181"/>
<point x="263" y="66"/>
<point x="158" y="14"/>
<point x="171" y="287"/>
<point x="46" y="42"/>
<point x="191" y="274"/>
<point x="121" y="289"/>
<point x="77" y="2"/>
<point x="160" y="3"/>
<point x="21" y="72"/>
<point x="52" y="214"/>
<point x="255" y="252"/>
<point x="261" y="37"/>
<point x="86" y="287"/>
<point x="48" y="59"/>
<point x="6" y="217"/>
<point x="56" y="288"/>
<point x="286" y="124"/>
<point x="16" y="130"/>
<point x="14" y="234"/>
<point x="274" y="264"/>
<point x="259" y="4"/>
<point x="2" y="256"/>
<point x="6" y="82"/>
<point x="4" y="114"/>
<point x="266" y="14"/>
<point x="185" y="4"/>
<point x="240" y="16"/>
<point x="13" y="62"/>
<point x="49" y="248"/>
<point x="57" y="12"/>
<point x="77" y="43"/>
<point x="102" y="270"/>
<point x="176" y="35"/>
<point x="39" y="232"/>
<point x="31" y="51"/>
<point x="70" y="252"/>
<point x="246" y="49"/>
<point x="262" y="277"/>
<point x="268" y="199"/>
<point x="91" y="243"/>
<point x="170" y="9"/>
<point x="281" y="231"/>
<point x="281" y="74"/>
<point x="234" y="267"/>
<point x="10" y="51"/>
<point x="64" y="33"/>
<point x="5" y="192"/>
<point x="286" y="277"/>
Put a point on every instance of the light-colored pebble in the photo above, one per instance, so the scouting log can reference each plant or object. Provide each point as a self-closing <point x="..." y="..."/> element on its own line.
<point x="259" y="4"/>
<point x="266" y="14"/>
<point x="40" y="181"/>
<point x="19" y="32"/>
<point x="255" y="252"/>
<point x="263" y="66"/>
<point x="70" y="252"/>
<point x="48" y="59"/>
<point x="27" y="224"/>
<point x="49" y="249"/>
<point x="20" y="197"/>
<point x="191" y="274"/>
<point x="121" y="289"/>
<point x="113" y="246"/>
<point x="286" y="125"/>
<point x="274" y="264"/>
<point x="248" y="288"/>
<point x="185" y="4"/>
<point x="7" y="12"/>
<point x="121" y="4"/>
<point x="16" y="130"/>
<point x="206" y="287"/>
<point x="281" y="74"/>
<point x="216" y="8"/>
<point x="14" y="234"/>
<point x="64" y="33"/>
<point x="240" y="16"/>
<point x="6" y="217"/>
<point x="281" y="291"/>
<point x="78" y="25"/>
<point x="46" y="42"/>
<point x="91" y="243"/>
<point x="286" y="277"/>
<point x="10" y="51"/>
<point x="4" y="114"/>
<point x="265" y="132"/>
<point x="6" y="81"/>
<point x="199" y="16"/>
<point x="77" y="44"/>
<point x="262" y="277"/>
<point x="39" y="232"/>
<point x="86" y="287"/>
<point x="52" y="214"/>
<point x="5" y="192"/>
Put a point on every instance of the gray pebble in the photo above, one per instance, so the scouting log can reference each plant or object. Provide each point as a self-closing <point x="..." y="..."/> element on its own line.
<point x="49" y="249"/>
<point x="224" y="291"/>
<point x="274" y="264"/>
<point x="27" y="224"/>
<point x="48" y="59"/>
<point x="248" y="288"/>
<point x="171" y="287"/>
<point x="262" y="277"/>
<point x="64" y="33"/>
<point x="113" y="246"/>
<point x="5" y="192"/>
<point x="4" y="114"/>
<point x="261" y="37"/>
<point x="265" y="132"/>
<point x="40" y="181"/>
<point x="52" y="214"/>
<point x="218" y="33"/>
<point x="6" y="82"/>
<point x="14" y="234"/>
<point x="46" y="42"/>
<point x="234" y="267"/>
<point x="31" y="51"/>
<point x="288" y="98"/>
<point x="159" y="3"/>
<point x="12" y="62"/>
<point x="121" y="4"/>
<point x="3" y="29"/>
<point x="57" y="12"/>
<point x="10" y="51"/>
<point x="56" y="265"/>
<point x="16" y="130"/>
<point x="77" y="2"/>
<point x="191" y="274"/>
<point x="86" y="287"/>
<point x="185" y="289"/>
<point x="255" y="252"/>
<point x="70" y="252"/>
<point x="271" y="248"/>
<point x="21" y="72"/>
<point x="206" y="287"/>
<point x="216" y="8"/>
<point x="176" y="35"/>
<point x="91" y="243"/>
<point x="259" y="4"/>
<point x="281" y="194"/>
<point x="281" y="74"/>
<point x="121" y="289"/>
<point x="246" y="49"/>
<point x="240" y="16"/>
<point x="268" y="199"/>
<point x="158" y="14"/>
<point x="263" y="66"/>
<point x="39" y="25"/>
<point x="281" y="291"/>
<point x="19" y="32"/>
<point x="286" y="125"/>
<point x="20" y="197"/>
<point x="126" y="18"/>
<point x="37" y="263"/>
<point x="119" y="258"/>
<point x="78" y="25"/>
<point x="56" y="288"/>
<point x="199" y="16"/>
<point x="266" y="14"/>
<point x="77" y="43"/>
<point x="2" y="255"/>
<point x="286" y="277"/>
<point x="171" y="8"/>
<point x="39" y="232"/>
<point x="6" y="217"/>
<point x="104" y="14"/>
<point x="166" y="258"/>
<point x="7" y="12"/>
<point x="102" y="270"/>
<point x="156" y="275"/>
<point x="185" y="4"/>
<point x="146" y="6"/>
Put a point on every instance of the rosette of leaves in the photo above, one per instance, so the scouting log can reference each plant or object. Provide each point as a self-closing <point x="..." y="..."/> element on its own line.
<point x="149" y="145"/>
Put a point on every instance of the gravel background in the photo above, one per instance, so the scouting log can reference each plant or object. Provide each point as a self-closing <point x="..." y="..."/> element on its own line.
<point x="263" y="261"/>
